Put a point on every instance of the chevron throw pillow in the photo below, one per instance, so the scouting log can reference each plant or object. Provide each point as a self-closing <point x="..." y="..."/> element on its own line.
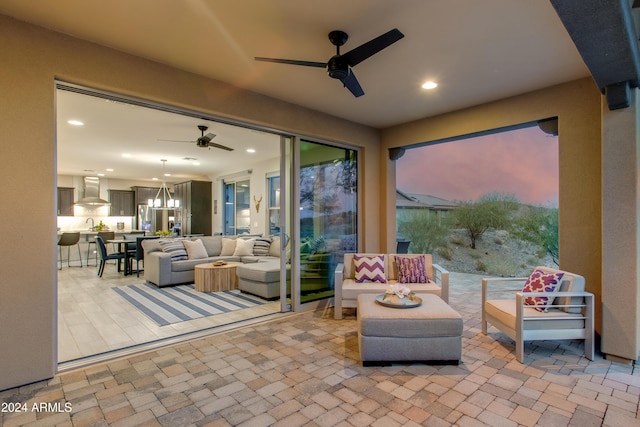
<point x="369" y="268"/>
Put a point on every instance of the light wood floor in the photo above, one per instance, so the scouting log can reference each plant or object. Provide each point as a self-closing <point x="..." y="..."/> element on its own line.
<point x="92" y="319"/>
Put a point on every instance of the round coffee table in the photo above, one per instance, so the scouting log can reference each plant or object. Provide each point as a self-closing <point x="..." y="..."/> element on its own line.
<point x="214" y="278"/>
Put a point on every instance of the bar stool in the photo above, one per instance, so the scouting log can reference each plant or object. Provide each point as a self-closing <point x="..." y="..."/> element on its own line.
<point x="106" y="235"/>
<point x="68" y="240"/>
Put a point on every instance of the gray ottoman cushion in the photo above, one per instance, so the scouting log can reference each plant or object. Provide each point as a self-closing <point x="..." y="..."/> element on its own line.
<point x="264" y="272"/>
<point x="431" y="332"/>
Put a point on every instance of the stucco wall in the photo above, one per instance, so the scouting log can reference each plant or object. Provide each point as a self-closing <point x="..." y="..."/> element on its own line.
<point x="32" y="58"/>
<point x="577" y="106"/>
<point x="621" y="236"/>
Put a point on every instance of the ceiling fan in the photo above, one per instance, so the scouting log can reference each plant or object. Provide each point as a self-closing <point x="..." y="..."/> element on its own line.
<point x="339" y="66"/>
<point x="204" y="141"/>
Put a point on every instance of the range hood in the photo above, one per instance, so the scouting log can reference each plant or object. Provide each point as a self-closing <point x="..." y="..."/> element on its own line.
<point x="92" y="193"/>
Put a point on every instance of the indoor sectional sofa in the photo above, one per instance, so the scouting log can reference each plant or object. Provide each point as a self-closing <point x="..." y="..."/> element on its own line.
<point x="163" y="267"/>
<point x="347" y="289"/>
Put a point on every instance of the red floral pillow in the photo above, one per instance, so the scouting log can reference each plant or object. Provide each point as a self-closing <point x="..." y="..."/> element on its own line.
<point x="412" y="269"/>
<point x="539" y="281"/>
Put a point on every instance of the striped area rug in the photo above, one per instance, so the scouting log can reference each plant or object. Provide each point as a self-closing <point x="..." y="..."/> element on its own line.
<point x="175" y="304"/>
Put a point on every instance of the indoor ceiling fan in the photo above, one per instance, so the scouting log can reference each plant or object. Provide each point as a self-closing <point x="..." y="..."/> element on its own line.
<point x="339" y="66"/>
<point x="204" y="141"/>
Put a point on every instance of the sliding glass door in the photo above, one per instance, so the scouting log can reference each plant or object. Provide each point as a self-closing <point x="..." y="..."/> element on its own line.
<point x="327" y="215"/>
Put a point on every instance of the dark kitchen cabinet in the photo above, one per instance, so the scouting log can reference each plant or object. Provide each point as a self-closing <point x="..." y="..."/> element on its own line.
<point x="143" y="194"/>
<point x="65" y="201"/>
<point x="194" y="207"/>
<point x="122" y="203"/>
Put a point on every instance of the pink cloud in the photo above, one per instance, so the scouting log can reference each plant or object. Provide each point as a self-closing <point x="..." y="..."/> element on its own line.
<point x="523" y="162"/>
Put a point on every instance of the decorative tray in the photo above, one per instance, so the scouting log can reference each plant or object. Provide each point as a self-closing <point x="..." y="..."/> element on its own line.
<point x="395" y="302"/>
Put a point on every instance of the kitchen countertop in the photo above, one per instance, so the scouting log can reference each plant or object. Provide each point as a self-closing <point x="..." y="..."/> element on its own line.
<point x="86" y="232"/>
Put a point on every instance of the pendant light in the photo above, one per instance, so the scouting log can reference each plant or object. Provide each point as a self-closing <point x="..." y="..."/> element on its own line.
<point x="163" y="199"/>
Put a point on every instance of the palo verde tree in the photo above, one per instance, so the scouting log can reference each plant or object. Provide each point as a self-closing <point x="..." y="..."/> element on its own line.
<point x="490" y="211"/>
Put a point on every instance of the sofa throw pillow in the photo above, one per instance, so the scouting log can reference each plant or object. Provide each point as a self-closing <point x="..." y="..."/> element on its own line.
<point x="369" y="268"/>
<point x="539" y="281"/>
<point x="261" y="246"/>
<point x="274" y="248"/>
<point x="244" y="247"/>
<point x="195" y="249"/>
<point x="175" y="248"/>
<point x="228" y="246"/>
<point x="412" y="269"/>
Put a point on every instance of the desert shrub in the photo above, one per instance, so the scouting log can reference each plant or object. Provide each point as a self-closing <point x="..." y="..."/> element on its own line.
<point x="445" y="252"/>
<point x="457" y="240"/>
<point x="426" y="230"/>
<point x="503" y="266"/>
<point x="534" y="260"/>
<point x="481" y="266"/>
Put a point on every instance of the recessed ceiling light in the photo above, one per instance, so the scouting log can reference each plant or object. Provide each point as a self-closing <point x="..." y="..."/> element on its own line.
<point x="109" y="170"/>
<point x="167" y="174"/>
<point x="75" y="122"/>
<point x="196" y="163"/>
<point x="251" y="150"/>
<point x="154" y="179"/>
<point x="127" y="155"/>
<point x="100" y="174"/>
<point x="429" y="85"/>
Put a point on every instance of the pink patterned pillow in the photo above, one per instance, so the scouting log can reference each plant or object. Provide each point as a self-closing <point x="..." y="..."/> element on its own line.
<point x="539" y="281"/>
<point x="412" y="269"/>
<point x="369" y="268"/>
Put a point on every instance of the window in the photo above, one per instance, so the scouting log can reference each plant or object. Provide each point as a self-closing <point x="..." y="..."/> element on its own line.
<point x="237" y="214"/>
<point x="274" y="205"/>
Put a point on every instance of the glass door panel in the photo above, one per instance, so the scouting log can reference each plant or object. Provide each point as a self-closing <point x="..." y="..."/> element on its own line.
<point x="328" y="215"/>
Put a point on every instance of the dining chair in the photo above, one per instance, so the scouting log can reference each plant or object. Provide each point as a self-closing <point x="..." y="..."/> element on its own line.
<point x="104" y="256"/>
<point x="68" y="240"/>
<point x="106" y="235"/>
<point x="130" y="249"/>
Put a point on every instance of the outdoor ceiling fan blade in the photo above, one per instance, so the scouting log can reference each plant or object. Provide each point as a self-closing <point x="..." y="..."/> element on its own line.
<point x="351" y="83"/>
<point x="293" y="62"/>
<point x="370" y="48"/>
<point x="222" y="147"/>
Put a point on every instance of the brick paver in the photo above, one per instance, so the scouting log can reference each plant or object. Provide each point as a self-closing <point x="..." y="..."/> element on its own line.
<point x="303" y="370"/>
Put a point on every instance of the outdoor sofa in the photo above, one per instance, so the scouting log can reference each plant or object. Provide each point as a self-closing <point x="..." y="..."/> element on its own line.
<point x="347" y="288"/>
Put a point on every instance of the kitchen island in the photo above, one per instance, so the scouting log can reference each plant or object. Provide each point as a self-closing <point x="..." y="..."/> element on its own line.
<point x="87" y="244"/>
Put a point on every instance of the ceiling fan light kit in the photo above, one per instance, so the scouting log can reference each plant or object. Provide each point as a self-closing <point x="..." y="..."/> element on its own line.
<point x="339" y="66"/>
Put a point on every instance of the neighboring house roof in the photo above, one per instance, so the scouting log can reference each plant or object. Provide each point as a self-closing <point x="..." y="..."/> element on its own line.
<point x="422" y="201"/>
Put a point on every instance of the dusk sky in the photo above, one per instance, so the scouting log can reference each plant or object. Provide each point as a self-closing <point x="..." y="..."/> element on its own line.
<point x="523" y="162"/>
